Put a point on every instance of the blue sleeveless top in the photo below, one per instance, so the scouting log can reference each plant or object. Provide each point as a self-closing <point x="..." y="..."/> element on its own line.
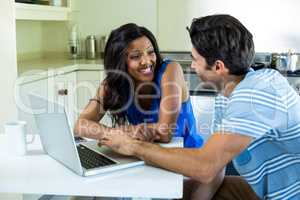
<point x="186" y="124"/>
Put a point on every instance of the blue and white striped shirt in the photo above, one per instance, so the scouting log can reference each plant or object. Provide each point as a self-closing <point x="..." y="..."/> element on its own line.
<point x="264" y="106"/>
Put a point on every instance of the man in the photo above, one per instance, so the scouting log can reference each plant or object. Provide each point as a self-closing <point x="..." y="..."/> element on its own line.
<point x="258" y="127"/>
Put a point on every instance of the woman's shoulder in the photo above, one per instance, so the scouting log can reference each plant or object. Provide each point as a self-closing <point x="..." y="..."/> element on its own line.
<point x="173" y="74"/>
<point x="168" y="64"/>
<point x="167" y="61"/>
<point x="172" y="67"/>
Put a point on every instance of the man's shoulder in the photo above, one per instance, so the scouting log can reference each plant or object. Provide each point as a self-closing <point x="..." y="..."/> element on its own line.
<point x="262" y="76"/>
<point x="264" y="81"/>
<point x="266" y="92"/>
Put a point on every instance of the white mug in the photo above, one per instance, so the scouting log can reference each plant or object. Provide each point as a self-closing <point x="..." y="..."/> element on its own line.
<point x="16" y="133"/>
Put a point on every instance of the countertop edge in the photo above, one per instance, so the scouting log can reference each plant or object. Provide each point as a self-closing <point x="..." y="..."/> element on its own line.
<point x="35" y="75"/>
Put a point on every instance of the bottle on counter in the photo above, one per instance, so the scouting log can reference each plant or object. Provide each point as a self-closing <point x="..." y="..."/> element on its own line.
<point x="74" y="43"/>
<point x="102" y="45"/>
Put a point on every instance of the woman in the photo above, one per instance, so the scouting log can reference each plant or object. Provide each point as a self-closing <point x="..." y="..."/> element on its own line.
<point x="146" y="96"/>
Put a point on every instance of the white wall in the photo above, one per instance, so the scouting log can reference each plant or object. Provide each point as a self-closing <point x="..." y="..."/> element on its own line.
<point x="29" y="37"/>
<point x="99" y="17"/>
<point x="274" y="23"/>
<point x="36" y="39"/>
<point x="8" y="65"/>
<point x="173" y="17"/>
<point x="55" y="37"/>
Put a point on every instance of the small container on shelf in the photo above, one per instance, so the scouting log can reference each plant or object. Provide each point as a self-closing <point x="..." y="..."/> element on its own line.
<point x="43" y="2"/>
<point x="39" y="2"/>
<point x="42" y="10"/>
<point x="56" y="3"/>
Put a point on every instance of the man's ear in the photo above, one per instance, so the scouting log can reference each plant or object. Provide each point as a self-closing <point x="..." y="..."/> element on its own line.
<point x="220" y="67"/>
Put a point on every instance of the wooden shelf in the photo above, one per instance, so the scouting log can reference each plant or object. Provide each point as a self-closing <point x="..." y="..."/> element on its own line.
<point x="41" y="12"/>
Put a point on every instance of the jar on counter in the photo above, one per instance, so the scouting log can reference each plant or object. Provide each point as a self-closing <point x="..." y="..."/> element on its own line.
<point x="91" y="47"/>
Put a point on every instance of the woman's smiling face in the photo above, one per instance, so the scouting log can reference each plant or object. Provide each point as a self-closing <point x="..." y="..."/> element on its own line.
<point x="141" y="59"/>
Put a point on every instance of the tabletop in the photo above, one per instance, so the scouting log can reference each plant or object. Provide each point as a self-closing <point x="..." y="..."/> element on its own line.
<point x="38" y="173"/>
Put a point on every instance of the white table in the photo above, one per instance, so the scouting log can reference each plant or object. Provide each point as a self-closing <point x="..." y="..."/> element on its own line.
<point x="37" y="173"/>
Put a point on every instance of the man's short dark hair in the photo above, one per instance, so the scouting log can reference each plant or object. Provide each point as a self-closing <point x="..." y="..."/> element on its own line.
<point x="223" y="37"/>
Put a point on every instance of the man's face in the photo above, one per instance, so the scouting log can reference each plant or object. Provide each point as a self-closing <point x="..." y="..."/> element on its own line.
<point x="205" y="72"/>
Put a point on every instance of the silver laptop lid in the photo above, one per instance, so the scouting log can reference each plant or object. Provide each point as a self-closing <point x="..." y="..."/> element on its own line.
<point x="56" y="136"/>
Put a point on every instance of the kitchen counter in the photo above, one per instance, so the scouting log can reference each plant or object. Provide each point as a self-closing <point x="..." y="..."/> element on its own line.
<point x="24" y="67"/>
<point x="37" y="69"/>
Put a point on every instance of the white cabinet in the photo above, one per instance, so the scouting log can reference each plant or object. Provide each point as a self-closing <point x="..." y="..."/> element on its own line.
<point x="73" y="90"/>
<point x="24" y="109"/>
<point x="43" y="12"/>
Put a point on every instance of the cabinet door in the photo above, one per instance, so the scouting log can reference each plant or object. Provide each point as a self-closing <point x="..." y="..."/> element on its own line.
<point x="73" y="90"/>
<point x="57" y="89"/>
<point x="39" y="88"/>
<point x="63" y="91"/>
<point x="88" y="83"/>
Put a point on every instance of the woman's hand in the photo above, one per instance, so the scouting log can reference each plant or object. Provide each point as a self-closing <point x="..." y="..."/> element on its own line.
<point x="144" y="133"/>
<point x="161" y="132"/>
<point x="139" y="132"/>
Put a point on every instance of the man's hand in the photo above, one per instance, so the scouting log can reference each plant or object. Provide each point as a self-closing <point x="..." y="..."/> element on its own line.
<point x="120" y="142"/>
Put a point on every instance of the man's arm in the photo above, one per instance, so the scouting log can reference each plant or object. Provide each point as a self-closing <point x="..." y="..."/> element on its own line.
<point x="200" y="164"/>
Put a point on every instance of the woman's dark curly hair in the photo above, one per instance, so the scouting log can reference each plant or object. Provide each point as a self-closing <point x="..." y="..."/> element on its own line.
<point x="118" y="84"/>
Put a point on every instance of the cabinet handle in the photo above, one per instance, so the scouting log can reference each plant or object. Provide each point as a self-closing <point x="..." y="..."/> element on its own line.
<point x="63" y="92"/>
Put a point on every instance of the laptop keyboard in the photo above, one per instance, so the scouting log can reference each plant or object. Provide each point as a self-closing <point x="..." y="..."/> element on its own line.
<point x="90" y="159"/>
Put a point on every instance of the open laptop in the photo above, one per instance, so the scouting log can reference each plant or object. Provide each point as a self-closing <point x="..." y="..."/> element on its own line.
<point x="84" y="158"/>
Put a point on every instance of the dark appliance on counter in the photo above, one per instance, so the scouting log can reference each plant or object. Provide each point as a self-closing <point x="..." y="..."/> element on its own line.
<point x="262" y="60"/>
<point x="258" y="65"/>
